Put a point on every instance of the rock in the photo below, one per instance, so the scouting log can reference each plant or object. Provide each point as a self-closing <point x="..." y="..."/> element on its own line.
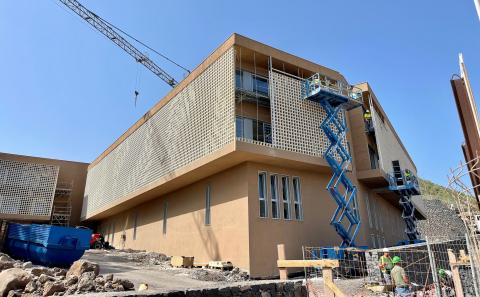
<point x="6" y="265"/>
<point x="142" y="287"/>
<point x="30" y="287"/>
<point x="100" y="281"/>
<point x="118" y="288"/>
<point x="37" y="271"/>
<point x="5" y="258"/>
<point x="71" y="290"/>
<point x="52" y="287"/>
<point x="108" y="286"/>
<point x="81" y="266"/>
<point x="85" y="284"/>
<point x="27" y="265"/>
<point x="44" y="278"/>
<point x="125" y="283"/>
<point x="88" y="275"/>
<point x="14" y="293"/>
<point x="12" y="279"/>
<point x="108" y="277"/>
<point x="265" y="294"/>
<point x="71" y="280"/>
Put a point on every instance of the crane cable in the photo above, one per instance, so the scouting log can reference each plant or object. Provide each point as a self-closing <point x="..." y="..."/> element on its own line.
<point x="140" y="42"/>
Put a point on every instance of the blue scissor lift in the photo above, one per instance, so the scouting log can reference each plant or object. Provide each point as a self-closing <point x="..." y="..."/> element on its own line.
<point x="335" y="97"/>
<point x="405" y="184"/>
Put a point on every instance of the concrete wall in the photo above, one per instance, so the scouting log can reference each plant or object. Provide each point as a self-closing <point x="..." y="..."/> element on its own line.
<point x="389" y="147"/>
<point x="75" y="172"/>
<point x="196" y="122"/>
<point x="315" y="228"/>
<point x="226" y="238"/>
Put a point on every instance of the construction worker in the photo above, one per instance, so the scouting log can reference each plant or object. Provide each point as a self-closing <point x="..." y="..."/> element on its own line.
<point x="445" y="278"/>
<point x="386" y="266"/>
<point x="408" y="175"/>
<point x="399" y="278"/>
<point x="367" y="117"/>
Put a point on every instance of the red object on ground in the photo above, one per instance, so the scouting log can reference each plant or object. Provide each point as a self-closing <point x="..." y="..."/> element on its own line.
<point x="96" y="241"/>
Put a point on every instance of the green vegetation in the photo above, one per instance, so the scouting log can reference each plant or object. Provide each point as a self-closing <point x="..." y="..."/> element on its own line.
<point x="431" y="190"/>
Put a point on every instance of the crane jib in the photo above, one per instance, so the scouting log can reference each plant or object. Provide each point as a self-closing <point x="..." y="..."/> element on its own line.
<point x="111" y="34"/>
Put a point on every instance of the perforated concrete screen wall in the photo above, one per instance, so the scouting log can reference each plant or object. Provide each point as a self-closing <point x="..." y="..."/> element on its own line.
<point x="193" y="124"/>
<point x="27" y="188"/>
<point x="295" y="122"/>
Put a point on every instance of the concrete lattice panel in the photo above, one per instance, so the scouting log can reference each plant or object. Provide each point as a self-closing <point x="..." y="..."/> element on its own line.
<point x="193" y="124"/>
<point x="296" y="122"/>
<point x="27" y="188"/>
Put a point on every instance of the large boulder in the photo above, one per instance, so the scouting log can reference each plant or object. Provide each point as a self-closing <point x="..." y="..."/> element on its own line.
<point x="13" y="279"/>
<point x="81" y="266"/>
<point x="6" y="265"/>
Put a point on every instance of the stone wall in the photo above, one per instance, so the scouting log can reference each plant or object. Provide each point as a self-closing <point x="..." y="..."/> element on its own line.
<point x="271" y="289"/>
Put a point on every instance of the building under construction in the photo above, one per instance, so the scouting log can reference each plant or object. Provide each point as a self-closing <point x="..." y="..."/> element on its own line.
<point x="41" y="190"/>
<point x="253" y="148"/>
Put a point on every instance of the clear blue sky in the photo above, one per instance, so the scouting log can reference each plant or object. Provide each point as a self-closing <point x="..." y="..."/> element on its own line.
<point x="67" y="91"/>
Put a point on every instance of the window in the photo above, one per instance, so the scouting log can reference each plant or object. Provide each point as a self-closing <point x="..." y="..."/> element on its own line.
<point x="113" y="232"/>
<point x="250" y="82"/>
<point x="135" y="226"/>
<point x="373" y="158"/>
<point x="286" y="197"/>
<point x="165" y="206"/>
<point x="274" y="196"/>
<point x="207" y="205"/>
<point x="369" y="214"/>
<point x="297" y="199"/>
<point x="262" y="194"/>
<point x="253" y="129"/>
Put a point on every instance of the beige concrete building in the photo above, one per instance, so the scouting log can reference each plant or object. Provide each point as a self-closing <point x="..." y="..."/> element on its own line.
<point x="229" y="164"/>
<point x="41" y="190"/>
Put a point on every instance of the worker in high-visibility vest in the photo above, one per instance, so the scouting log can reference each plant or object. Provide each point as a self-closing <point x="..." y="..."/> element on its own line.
<point x="408" y="175"/>
<point x="386" y="266"/>
<point x="367" y="116"/>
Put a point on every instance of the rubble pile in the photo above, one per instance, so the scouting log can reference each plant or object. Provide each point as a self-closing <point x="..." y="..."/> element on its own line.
<point x="159" y="260"/>
<point x="147" y="258"/>
<point x="216" y="275"/>
<point x="19" y="278"/>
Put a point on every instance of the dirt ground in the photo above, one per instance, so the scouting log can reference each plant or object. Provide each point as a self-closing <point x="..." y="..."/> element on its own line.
<point x="157" y="272"/>
<point x="160" y="276"/>
<point x="350" y="287"/>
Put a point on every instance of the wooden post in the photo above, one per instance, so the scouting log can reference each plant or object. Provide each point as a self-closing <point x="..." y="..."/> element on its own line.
<point x="455" y="273"/>
<point x="327" y="274"/>
<point x="281" y="256"/>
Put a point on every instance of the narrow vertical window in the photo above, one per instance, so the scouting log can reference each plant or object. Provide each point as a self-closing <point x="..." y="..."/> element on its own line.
<point x="207" y="205"/>
<point x="262" y="194"/>
<point x="165" y="206"/>
<point x="286" y="198"/>
<point x="274" y="195"/>
<point x="113" y="232"/>
<point x="135" y="219"/>
<point x="297" y="198"/>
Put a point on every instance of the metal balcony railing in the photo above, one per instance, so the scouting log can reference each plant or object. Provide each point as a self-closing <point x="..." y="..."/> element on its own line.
<point x="321" y="85"/>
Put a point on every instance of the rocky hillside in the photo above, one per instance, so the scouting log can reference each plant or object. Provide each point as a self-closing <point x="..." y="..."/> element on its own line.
<point x="431" y="190"/>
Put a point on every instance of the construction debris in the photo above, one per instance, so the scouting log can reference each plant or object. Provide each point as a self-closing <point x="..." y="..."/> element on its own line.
<point x="24" y="279"/>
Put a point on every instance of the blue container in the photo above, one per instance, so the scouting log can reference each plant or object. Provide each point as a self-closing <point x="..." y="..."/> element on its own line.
<point x="46" y="244"/>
